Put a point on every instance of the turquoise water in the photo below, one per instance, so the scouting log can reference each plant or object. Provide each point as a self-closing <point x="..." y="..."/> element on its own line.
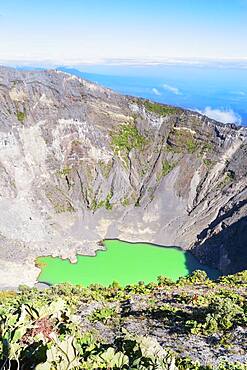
<point x="126" y="263"/>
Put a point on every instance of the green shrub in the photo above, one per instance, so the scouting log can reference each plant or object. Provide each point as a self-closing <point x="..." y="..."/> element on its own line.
<point x="21" y="116"/>
<point x="182" y="140"/>
<point x="64" y="171"/>
<point x="166" y="168"/>
<point x="102" y="203"/>
<point x="221" y="315"/>
<point x="191" y="145"/>
<point x="196" y="277"/>
<point x="108" y="205"/>
<point x="103" y="314"/>
<point x="45" y="329"/>
<point x="160" y="109"/>
<point x="237" y="279"/>
<point x="127" y="137"/>
<point x="163" y="281"/>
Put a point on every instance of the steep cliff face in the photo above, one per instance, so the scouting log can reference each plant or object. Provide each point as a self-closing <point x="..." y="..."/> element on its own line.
<point x="80" y="163"/>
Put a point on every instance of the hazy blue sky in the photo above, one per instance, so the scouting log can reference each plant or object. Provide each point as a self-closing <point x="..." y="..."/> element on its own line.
<point x="88" y="30"/>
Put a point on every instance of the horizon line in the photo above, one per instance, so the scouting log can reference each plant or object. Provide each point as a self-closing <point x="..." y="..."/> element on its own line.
<point x="145" y="62"/>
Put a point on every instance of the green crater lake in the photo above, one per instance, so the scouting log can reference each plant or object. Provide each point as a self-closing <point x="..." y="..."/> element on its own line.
<point x="126" y="263"/>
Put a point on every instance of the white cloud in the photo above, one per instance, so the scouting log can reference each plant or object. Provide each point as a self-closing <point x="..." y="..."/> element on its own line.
<point x="224" y="116"/>
<point x="172" y="89"/>
<point x="241" y="93"/>
<point x="156" y="91"/>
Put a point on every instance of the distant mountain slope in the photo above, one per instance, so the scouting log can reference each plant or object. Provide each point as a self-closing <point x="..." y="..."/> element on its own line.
<point x="219" y="93"/>
<point x="80" y="163"/>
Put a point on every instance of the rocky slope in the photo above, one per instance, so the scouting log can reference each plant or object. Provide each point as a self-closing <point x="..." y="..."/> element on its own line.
<point x="80" y="163"/>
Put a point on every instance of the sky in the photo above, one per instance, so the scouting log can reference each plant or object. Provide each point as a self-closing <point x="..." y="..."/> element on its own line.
<point x="100" y="30"/>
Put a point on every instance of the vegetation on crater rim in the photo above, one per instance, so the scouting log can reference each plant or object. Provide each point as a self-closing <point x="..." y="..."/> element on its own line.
<point x="102" y="203"/>
<point x="160" y="109"/>
<point x="126" y="138"/>
<point x="167" y="167"/>
<point x="58" y="328"/>
<point x="21" y="116"/>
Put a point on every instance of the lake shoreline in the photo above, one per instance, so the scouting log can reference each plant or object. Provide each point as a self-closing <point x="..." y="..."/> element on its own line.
<point x="187" y="256"/>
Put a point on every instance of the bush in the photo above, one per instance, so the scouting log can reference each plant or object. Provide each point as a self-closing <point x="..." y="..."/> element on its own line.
<point x="21" y="116"/>
<point x="160" y="109"/>
<point x="126" y="138"/>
